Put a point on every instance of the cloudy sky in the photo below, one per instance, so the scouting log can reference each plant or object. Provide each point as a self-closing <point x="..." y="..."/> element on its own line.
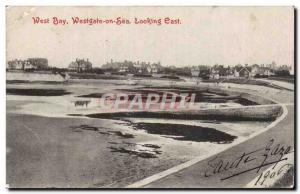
<point x="206" y="35"/>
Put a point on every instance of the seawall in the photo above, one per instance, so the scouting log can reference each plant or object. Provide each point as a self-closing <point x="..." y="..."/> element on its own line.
<point x="33" y="76"/>
<point x="267" y="110"/>
<point x="247" y="113"/>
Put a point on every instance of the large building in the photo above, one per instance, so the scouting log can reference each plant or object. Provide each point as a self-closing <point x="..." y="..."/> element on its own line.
<point x="80" y="65"/>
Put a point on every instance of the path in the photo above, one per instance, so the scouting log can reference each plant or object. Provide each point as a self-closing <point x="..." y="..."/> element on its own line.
<point x="212" y="172"/>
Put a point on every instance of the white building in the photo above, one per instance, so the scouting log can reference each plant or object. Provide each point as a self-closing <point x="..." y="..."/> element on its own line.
<point x="195" y="71"/>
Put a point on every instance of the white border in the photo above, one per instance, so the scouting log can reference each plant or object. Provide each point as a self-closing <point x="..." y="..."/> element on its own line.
<point x="155" y="2"/>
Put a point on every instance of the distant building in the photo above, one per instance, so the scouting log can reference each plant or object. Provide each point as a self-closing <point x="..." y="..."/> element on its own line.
<point x="154" y="68"/>
<point x="148" y="68"/>
<point x="127" y="66"/>
<point x="262" y="70"/>
<point x="31" y="63"/>
<point x="123" y="69"/>
<point x="136" y="64"/>
<point x="36" y="63"/>
<point x="15" y="64"/>
<point x="214" y="72"/>
<point x="255" y="69"/>
<point x="242" y="71"/>
<point x="80" y="65"/>
<point x="195" y="71"/>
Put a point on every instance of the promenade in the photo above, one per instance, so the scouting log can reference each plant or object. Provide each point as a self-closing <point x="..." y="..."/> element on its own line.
<point x="241" y="164"/>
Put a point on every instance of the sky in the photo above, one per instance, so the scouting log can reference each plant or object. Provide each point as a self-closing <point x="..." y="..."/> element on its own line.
<point x="205" y="35"/>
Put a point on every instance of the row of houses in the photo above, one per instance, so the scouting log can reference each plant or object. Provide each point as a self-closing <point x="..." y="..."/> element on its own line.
<point x="28" y="64"/>
<point x="79" y="65"/>
<point x="214" y="72"/>
<point x="238" y="71"/>
<point x="136" y="67"/>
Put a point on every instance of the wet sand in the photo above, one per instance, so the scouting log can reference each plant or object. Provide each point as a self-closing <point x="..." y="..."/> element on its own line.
<point x="51" y="153"/>
<point x="47" y="152"/>
<point x="36" y="92"/>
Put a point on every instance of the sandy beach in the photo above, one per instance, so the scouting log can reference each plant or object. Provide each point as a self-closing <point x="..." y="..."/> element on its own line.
<point x="48" y="148"/>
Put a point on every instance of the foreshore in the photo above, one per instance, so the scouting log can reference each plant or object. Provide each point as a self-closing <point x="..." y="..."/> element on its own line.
<point x="92" y="149"/>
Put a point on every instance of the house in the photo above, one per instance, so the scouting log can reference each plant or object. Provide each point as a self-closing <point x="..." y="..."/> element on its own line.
<point x="30" y="63"/>
<point x="123" y="69"/>
<point x="218" y="71"/>
<point x="261" y="70"/>
<point x="245" y="72"/>
<point x="36" y="63"/>
<point x="148" y="68"/>
<point x="15" y="64"/>
<point x="240" y="71"/>
<point x="128" y="66"/>
<point x="73" y="66"/>
<point x="137" y="64"/>
<point x="269" y="72"/>
<point x="214" y="73"/>
<point x="80" y="65"/>
<point x="154" y="68"/>
<point x="195" y="71"/>
<point x="204" y="71"/>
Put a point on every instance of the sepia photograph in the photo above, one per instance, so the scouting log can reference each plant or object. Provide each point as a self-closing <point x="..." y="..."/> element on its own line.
<point x="150" y="97"/>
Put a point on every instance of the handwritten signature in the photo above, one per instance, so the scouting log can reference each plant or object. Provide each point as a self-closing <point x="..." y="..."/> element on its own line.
<point x="260" y="157"/>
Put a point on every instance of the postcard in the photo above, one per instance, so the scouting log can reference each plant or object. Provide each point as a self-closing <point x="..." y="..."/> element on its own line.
<point x="150" y="97"/>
